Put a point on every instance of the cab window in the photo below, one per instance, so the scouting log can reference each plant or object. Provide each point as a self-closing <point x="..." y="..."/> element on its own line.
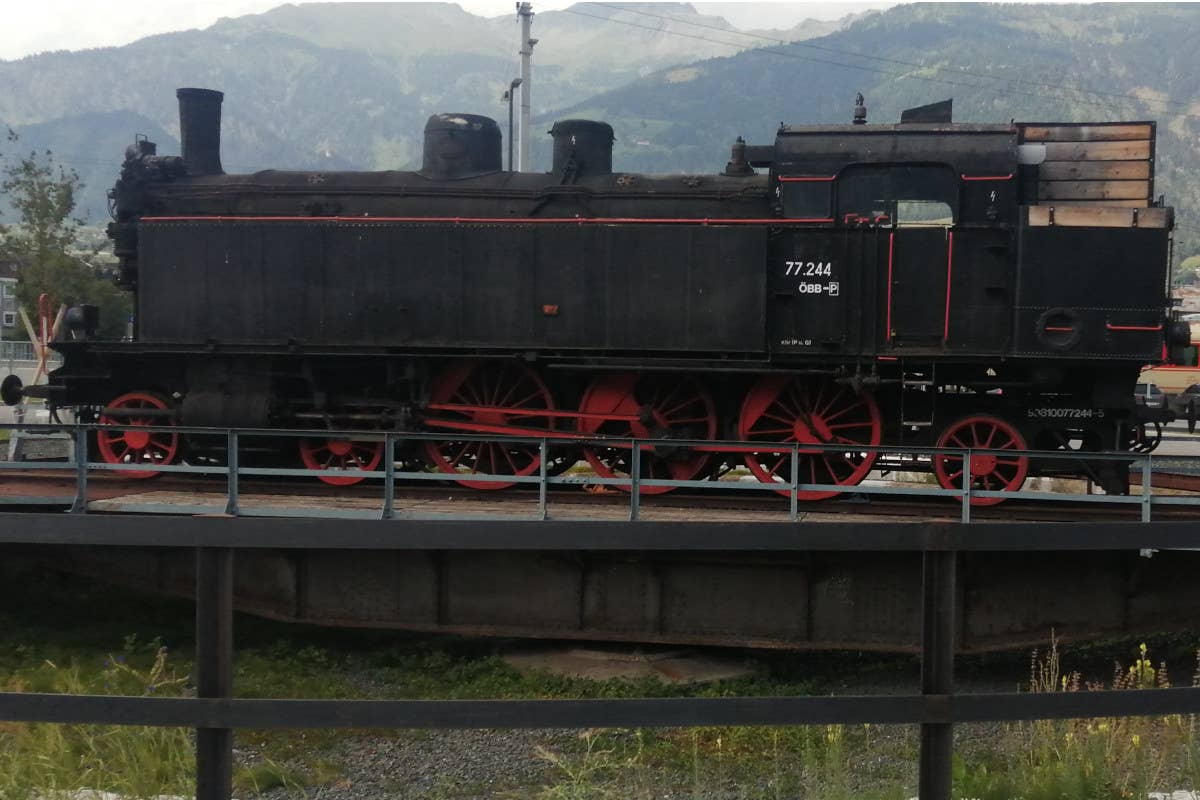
<point x="902" y="194"/>
<point x="806" y="198"/>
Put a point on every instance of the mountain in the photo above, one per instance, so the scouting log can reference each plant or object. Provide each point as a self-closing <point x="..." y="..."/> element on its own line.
<point x="998" y="62"/>
<point x="99" y="134"/>
<point x="338" y="85"/>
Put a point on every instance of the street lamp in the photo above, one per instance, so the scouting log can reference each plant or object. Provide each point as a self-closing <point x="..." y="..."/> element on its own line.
<point x="509" y="96"/>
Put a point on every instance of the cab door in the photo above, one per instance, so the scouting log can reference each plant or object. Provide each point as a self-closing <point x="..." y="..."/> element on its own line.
<point x="918" y="276"/>
<point x="917" y="204"/>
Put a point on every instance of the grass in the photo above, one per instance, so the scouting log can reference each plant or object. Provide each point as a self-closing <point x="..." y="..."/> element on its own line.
<point x="1103" y="759"/>
<point x="1100" y="758"/>
<point x="84" y="637"/>
<point x="37" y="760"/>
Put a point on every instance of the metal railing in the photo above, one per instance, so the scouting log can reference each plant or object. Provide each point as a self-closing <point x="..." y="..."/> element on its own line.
<point x="215" y="712"/>
<point x="16" y="351"/>
<point x="230" y="442"/>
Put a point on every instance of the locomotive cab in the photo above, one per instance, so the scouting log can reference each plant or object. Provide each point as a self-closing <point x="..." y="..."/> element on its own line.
<point x="895" y="208"/>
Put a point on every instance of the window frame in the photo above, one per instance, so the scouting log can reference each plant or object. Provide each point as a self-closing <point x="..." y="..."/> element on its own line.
<point x="827" y="182"/>
<point x="953" y="198"/>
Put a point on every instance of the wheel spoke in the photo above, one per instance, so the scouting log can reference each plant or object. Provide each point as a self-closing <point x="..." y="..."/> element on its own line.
<point x="526" y="399"/>
<point x="454" y="461"/>
<point x="833" y="401"/>
<point x="844" y="411"/>
<point x="503" y="401"/>
<point x="667" y="414"/>
<point x="991" y="435"/>
<point x="833" y="474"/>
<point x="511" y="463"/>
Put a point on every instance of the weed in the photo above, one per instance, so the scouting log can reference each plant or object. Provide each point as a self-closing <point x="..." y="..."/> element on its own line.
<point x="1097" y="758"/>
<point x="266" y="775"/>
<point x="38" y="760"/>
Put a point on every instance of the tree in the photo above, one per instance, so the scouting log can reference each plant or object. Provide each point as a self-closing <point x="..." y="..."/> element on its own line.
<point x="42" y="194"/>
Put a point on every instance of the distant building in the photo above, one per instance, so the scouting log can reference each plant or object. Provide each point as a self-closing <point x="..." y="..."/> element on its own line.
<point x="8" y="302"/>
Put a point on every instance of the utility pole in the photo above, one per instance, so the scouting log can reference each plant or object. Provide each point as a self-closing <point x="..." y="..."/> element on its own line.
<point x="525" y="12"/>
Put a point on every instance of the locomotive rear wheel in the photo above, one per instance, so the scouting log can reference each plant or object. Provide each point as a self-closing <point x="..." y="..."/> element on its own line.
<point x="989" y="472"/>
<point x="488" y="397"/>
<point x="785" y="409"/>
<point x="133" y="446"/>
<point x="647" y="407"/>
<point x="337" y="453"/>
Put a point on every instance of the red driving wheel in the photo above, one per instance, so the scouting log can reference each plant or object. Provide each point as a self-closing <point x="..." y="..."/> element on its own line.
<point x="784" y="409"/>
<point x="662" y="408"/>
<point x="487" y="397"/>
<point x="988" y="471"/>
<point x="340" y="454"/>
<point x="134" y="446"/>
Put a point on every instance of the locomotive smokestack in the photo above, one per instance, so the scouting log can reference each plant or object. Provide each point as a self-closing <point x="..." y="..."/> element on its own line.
<point x="200" y="130"/>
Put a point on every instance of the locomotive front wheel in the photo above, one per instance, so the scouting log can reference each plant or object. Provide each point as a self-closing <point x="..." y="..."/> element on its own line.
<point x="134" y="446"/>
<point x="788" y="409"/>
<point x="340" y="454"/>
<point x="632" y="406"/>
<point x="989" y="472"/>
<point x="1146" y="437"/>
<point x="482" y="398"/>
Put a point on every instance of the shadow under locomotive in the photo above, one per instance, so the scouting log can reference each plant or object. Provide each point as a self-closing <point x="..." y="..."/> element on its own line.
<point x="930" y="283"/>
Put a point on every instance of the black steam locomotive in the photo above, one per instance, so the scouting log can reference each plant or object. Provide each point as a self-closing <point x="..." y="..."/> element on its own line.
<point x="924" y="283"/>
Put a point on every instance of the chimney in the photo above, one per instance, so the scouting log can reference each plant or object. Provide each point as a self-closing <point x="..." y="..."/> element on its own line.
<point x="200" y="130"/>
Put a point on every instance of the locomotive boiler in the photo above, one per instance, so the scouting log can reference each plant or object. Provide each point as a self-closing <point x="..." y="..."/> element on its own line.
<point x="924" y="283"/>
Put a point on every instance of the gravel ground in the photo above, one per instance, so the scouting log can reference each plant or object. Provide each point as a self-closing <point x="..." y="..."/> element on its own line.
<point x="463" y="765"/>
<point x="501" y="765"/>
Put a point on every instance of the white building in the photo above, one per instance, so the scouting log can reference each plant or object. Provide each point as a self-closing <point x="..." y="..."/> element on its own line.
<point x="9" y="322"/>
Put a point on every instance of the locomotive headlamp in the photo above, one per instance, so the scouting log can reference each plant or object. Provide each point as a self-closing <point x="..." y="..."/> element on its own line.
<point x="82" y="320"/>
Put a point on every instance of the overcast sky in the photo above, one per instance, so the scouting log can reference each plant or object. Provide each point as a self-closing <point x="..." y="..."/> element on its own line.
<point x="34" y="26"/>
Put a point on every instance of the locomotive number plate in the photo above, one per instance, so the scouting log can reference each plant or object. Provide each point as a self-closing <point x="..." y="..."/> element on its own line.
<point x="808" y="269"/>
<point x="813" y="269"/>
<point x="1065" y="413"/>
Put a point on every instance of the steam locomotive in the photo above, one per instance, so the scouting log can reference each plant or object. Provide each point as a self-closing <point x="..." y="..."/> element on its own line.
<point x="924" y="283"/>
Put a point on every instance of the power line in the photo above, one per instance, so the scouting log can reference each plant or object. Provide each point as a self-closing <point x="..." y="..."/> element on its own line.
<point x="859" y="67"/>
<point x="765" y="50"/>
<point x="915" y="64"/>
